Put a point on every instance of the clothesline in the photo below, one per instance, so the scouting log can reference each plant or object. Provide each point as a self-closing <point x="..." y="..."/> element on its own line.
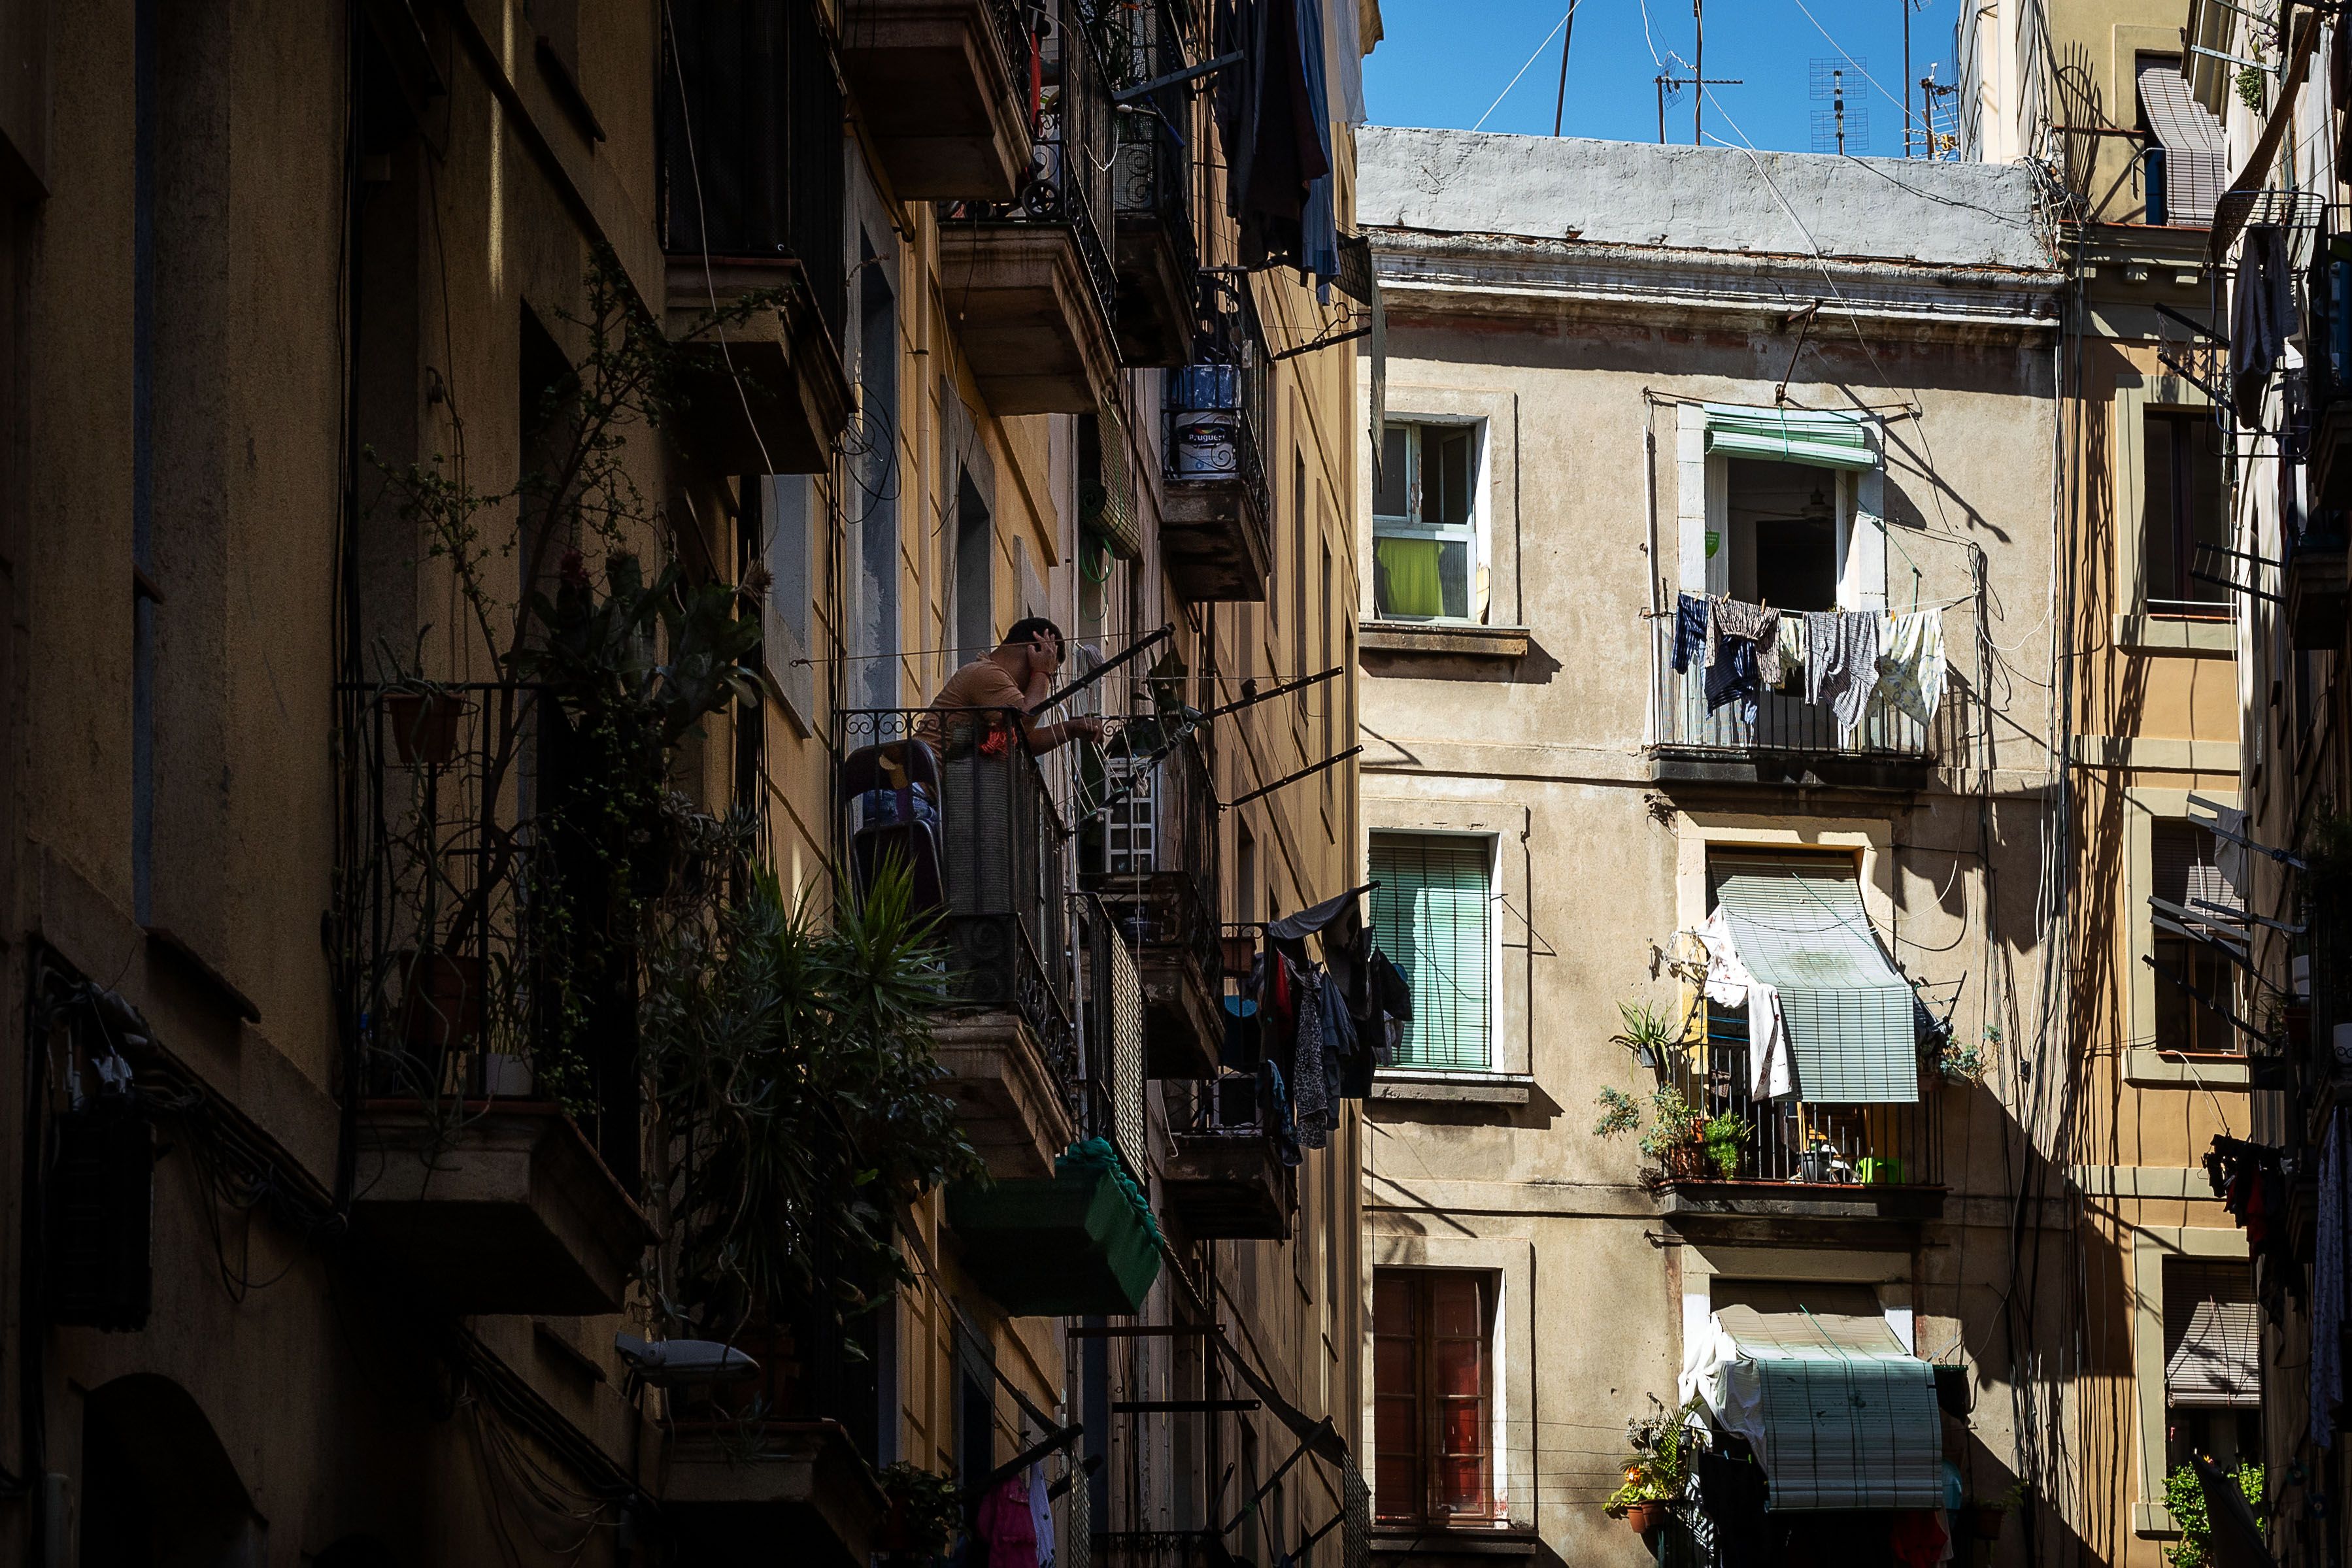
<point x="1939" y="604"/>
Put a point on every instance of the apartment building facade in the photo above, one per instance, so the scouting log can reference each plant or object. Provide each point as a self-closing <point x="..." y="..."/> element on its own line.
<point x="550" y="454"/>
<point x="2132" y="115"/>
<point x="1624" y="382"/>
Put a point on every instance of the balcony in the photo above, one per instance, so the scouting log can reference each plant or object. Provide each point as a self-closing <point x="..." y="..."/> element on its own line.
<point x="494" y="1198"/>
<point x="734" y="1493"/>
<point x="1029" y="280"/>
<point x="752" y="199"/>
<point x="943" y="88"/>
<point x="1215" y="541"/>
<point x="1156" y="255"/>
<point x="1800" y="1164"/>
<point x="1790" y="741"/>
<point x="1149" y="850"/>
<point x="773" y="397"/>
<point x="1225" y="1181"/>
<point x="962" y="803"/>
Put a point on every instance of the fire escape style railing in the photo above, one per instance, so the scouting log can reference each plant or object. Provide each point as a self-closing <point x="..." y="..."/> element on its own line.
<point x="1216" y="404"/>
<point x="1148" y="840"/>
<point x="1792" y="1139"/>
<point x="1784" y="720"/>
<point x="996" y="839"/>
<point x="1113" y="1106"/>
<point x="1140" y="43"/>
<point x="1069" y="182"/>
<point x="476" y="977"/>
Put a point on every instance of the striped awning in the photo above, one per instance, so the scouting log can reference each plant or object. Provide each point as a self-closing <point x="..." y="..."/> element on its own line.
<point x="1851" y="1020"/>
<point x="2196" y="163"/>
<point x="1848" y="1415"/>
<point x="2212" y="1335"/>
<point x="1823" y="438"/>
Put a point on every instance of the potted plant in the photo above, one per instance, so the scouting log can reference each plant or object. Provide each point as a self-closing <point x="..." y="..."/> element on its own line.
<point x="2184" y="1499"/>
<point x="1648" y="1033"/>
<point x="1658" y="1469"/>
<point x="926" y="1511"/>
<point x="424" y="721"/>
<point x="1677" y="1138"/>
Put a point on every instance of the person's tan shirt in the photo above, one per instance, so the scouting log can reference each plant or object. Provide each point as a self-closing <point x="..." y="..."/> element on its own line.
<point x="982" y="683"/>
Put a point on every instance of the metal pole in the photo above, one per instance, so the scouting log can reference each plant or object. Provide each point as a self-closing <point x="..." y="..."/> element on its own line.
<point x="1906" y="75"/>
<point x="1662" y="109"/>
<point x="1698" y="66"/>
<point x="1568" y="34"/>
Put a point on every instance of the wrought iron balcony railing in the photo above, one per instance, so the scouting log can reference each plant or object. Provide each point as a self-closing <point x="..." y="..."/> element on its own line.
<point x="1793" y="1141"/>
<point x="959" y="797"/>
<point x="1784" y="721"/>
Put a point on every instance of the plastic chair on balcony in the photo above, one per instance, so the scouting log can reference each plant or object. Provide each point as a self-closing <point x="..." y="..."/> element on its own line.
<point x="892" y="791"/>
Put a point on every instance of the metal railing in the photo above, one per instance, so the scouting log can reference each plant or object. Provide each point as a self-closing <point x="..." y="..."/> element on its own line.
<point x="1784" y="721"/>
<point x="1075" y="149"/>
<point x="997" y="838"/>
<point x="1148" y="840"/>
<point x="1140" y="42"/>
<point x="1113" y="1065"/>
<point x="1791" y="1139"/>
<point x="1216" y="404"/>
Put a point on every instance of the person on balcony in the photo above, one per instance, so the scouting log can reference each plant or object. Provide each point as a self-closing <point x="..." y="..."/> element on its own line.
<point x="1016" y="677"/>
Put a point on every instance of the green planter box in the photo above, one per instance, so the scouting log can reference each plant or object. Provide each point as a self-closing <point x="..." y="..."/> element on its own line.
<point x="1881" y="1172"/>
<point x="1064" y="1246"/>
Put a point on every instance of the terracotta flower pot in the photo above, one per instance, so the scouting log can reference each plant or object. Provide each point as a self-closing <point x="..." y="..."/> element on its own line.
<point x="441" y="1005"/>
<point x="425" y="726"/>
<point x="1986" y="1521"/>
<point x="1646" y="1517"/>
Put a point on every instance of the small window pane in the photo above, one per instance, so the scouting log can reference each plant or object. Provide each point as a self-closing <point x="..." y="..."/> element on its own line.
<point x="1390" y="501"/>
<point x="1445" y="475"/>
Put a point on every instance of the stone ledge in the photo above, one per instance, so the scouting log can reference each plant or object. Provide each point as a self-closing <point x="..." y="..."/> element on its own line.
<point x="2181" y="634"/>
<point x="1454" y="1088"/>
<point x="1461" y="641"/>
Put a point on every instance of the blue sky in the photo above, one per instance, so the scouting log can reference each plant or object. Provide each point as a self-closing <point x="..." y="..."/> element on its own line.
<point x="1444" y="62"/>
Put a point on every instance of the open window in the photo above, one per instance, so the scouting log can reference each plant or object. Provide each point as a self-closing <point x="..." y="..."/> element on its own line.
<point x="2184" y="505"/>
<point x="2212" y="1362"/>
<point x="1427" y="564"/>
<point x="1433" y="1396"/>
<point x="1781" y="507"/>
<point x="2185" y="871"/>
<point x="1785" y="521"/>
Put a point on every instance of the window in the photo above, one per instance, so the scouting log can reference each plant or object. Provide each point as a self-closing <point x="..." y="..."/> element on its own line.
<point x="875" y="468"/>
<point x="1424" y="523"/>
<point x="1432" y="1395"/>
<point x="2184" y="497"/>
<point x="1783" y="520"/>
<point x="1432" y="915"/>
<point x="2184" y="872"/>
<point x="2212" y="1366"/>
<point x="780" y="505"/>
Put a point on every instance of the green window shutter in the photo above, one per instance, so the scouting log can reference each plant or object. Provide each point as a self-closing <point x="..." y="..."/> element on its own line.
<point x="1819" y="437"/>
<point x="1852" y="1020"/>
<point x="1433" y="915"/>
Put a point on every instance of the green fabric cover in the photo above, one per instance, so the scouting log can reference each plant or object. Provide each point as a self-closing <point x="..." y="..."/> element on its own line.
<point x="1824" y="439"/>
<point x="1072" y="1245"/>
<point x="1410" y="579"/>
<point x="1849" y="1416"/>
<point x="1852" y="1018"/>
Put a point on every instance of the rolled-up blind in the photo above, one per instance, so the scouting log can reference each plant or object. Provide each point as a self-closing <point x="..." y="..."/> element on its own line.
<point x="2212" y="1335"/>
<point x="2185" y="869"/>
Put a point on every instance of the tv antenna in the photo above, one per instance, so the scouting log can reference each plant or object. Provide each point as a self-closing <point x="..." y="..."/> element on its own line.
<point x="1838" y="121"/>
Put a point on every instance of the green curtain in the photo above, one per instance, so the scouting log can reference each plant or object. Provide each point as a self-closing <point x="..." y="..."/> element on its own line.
<point x="1408" y="576"/>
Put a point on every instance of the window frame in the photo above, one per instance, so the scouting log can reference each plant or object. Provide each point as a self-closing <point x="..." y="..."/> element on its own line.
<point x="1488" y="845"/>
<point x="1428" y="1456"/>
<point x="1473" y="532"/>
<point x="2151" y="1244"/>
<point x="2181" y="604"/>
<point x="2147" y="1061"/>
<point x="2134" y="399"/>
<point x="1703" y="511"/>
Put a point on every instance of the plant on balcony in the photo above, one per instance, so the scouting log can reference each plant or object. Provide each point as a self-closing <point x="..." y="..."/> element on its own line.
<point x="1649" y="1034"/>
<point x="1686" y="1144"/>
<point x="1657" y="1469"/>
<point x="925" y="1513"/>
<point x="2184" y="1499"/>
<point x="795" y="1100"/>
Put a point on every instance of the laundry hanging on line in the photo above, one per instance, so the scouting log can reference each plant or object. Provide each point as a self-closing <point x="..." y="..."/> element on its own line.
<point x="1852" y="662"/>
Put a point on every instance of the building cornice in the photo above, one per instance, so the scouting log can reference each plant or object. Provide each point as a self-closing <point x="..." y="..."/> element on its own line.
<point x="1507" y="276"/>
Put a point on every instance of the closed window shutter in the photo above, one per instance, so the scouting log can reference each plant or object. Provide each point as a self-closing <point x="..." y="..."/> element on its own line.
<point x="2185" y="868"/>
<point x="1432" y="915"/>
<point x="2213" y="1336"/>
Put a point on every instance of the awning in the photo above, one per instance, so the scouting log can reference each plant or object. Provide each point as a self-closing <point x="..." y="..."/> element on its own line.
<point x="1821" y="437"/>
<point x="1840" y="1414"/>
<point x="2196" y="162"/>
<point x="1851" y="1020"/>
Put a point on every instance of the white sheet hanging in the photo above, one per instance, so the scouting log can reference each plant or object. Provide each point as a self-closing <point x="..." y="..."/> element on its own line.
<point x="1729" y="985"/>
